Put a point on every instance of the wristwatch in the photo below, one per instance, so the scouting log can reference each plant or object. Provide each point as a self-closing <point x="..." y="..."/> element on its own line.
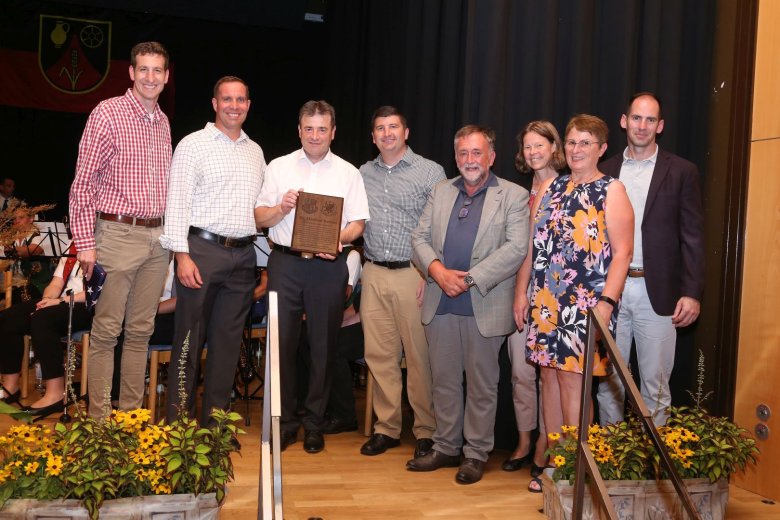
<point x="469" y="280"/>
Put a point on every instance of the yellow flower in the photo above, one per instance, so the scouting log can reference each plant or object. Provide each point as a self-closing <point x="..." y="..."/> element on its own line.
<point x="54" y="465"/>
<point x="568" y="429"/>
<point x="559" y="460"/>
<point x="31" y="468"/>
<point x="554" y="436"/>
<point x="163" y="489"/>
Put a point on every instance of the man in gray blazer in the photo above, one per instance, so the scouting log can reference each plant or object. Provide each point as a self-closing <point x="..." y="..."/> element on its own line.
<point x="470" y="242"/>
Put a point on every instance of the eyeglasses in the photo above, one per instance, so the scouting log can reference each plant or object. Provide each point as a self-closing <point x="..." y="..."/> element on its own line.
<point x="464" y="211"/>
<point x="585" y="143"/>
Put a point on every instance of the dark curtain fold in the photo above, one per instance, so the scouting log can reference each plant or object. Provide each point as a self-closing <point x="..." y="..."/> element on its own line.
<point x="503" y="63"/>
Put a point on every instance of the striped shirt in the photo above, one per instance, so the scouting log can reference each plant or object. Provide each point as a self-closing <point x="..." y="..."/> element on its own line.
<point x="396" y="198"/>
<point x="123" y="164"/>
<point x="215" y="185"/>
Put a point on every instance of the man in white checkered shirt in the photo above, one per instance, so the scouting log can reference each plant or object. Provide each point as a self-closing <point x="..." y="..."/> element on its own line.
<point x="398" y="183"/>
<point x="216" y="176"/>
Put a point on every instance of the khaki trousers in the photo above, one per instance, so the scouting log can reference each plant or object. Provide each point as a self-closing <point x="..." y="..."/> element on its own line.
<point x="136" y="265"/>
<point x="392" y="326"/>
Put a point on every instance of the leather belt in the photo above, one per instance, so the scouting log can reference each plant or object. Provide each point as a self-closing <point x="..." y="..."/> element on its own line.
<point x="133" y="221"/>
<point x="288" y="251"/>
<point x="219" y="239"/>
<point x="636" y="273"/>
<point x="398" y="264"/>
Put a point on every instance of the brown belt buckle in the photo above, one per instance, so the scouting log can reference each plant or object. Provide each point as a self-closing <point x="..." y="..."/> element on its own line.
<point x="307" y="256"/>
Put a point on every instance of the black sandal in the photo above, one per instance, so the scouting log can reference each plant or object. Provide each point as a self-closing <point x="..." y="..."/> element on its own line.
<point x="11" y="398"/>
<point x="535" y="486"/>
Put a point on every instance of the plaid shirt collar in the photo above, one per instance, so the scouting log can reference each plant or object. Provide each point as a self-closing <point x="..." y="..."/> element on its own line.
<point x="408" y="159"/>
<point x="216" y="133"/>
<point x="140" y="110"/>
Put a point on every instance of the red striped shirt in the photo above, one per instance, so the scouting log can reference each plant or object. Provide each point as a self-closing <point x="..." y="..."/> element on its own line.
<point x="123" y="165"/>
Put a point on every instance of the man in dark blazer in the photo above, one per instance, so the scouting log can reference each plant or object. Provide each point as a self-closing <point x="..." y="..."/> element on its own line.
<point x="666" y="275"/>
<point x="469" y="243"/>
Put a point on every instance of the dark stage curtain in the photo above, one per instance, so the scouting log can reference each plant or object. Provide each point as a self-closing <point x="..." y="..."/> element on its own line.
<point x="502" y="63"/>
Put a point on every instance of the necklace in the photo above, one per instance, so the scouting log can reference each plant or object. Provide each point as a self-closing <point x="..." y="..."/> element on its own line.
<point x="584" y="181"/>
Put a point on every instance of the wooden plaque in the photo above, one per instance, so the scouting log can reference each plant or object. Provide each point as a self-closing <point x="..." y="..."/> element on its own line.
<point x="317" y="225"/>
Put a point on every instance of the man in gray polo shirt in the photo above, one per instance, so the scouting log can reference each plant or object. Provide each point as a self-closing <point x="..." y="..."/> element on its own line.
<point x="397" y="183"/>
<point x="470" y="242"/>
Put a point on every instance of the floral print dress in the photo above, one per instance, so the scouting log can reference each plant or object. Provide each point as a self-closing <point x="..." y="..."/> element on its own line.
<point x="571" y="256"/>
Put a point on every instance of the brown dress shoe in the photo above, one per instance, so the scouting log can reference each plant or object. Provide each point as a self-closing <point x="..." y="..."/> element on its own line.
<point x="432" y="461"/>
<point x="470" y="471"/>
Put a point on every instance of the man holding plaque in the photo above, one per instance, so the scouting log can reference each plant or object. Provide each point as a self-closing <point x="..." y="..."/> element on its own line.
<point x="470" y="242"/>
<point x="310" y="276"/>
<point x="216" y="176"/>
<point x="398" y="183"/>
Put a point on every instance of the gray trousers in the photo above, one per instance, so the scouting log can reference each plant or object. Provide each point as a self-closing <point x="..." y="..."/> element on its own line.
<point x="214" y="313"/>
<point x="456" y="348"/>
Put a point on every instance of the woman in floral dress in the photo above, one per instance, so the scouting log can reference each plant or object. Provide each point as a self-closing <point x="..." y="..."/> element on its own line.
<point x="581" y="245"/>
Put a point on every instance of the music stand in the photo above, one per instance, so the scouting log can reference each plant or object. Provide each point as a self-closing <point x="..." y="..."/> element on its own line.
<point x="54" y="239"/>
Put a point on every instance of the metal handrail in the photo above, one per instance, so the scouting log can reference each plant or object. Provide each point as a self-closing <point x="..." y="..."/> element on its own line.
<point x="585" y="462"/>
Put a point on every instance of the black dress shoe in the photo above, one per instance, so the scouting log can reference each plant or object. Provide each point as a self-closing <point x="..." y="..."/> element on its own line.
<point x="313" y="441"/>
<point x="334" y="425"/>
<point x="11" y="398"/>
<point x="422" y="447"/>
<point x="511" y="464"/>
<point x="470" y="471"/>
<point x="286" y="438"/>
<point x="378" y="444"/>
<point x="43" y="411"/>
<point x="432" y="461"/>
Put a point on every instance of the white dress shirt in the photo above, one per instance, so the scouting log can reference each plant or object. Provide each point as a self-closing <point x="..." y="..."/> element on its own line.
<point x="214" y="185"/>
<point x="331" y="176"/>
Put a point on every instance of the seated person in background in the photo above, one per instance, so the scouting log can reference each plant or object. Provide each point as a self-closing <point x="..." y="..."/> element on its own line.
<point x="30" y="275"/>
<point x="47" y="321"/>
<point x="340" y="415"/>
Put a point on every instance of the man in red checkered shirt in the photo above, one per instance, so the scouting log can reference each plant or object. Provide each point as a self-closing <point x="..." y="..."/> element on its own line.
<point x="117" y="202"/>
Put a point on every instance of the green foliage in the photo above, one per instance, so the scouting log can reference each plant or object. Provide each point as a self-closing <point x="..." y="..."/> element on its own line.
<point x="121" y="456"/>
<point x="700" y="446"/>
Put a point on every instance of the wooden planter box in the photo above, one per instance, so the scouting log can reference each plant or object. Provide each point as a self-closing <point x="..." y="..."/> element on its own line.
<point x="157" y="507"/>
<point x="638" y="499"/>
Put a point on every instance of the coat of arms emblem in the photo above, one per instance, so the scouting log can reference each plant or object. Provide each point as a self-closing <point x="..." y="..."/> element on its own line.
<point x="74" y="55"/>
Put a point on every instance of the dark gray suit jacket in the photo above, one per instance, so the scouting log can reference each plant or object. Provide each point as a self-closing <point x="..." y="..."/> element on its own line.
<point x="672" y="230"/>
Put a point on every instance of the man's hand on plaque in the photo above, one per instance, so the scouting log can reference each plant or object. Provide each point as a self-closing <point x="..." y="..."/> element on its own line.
<point x="289" y="200"/>
<point x="326" y="256"/>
